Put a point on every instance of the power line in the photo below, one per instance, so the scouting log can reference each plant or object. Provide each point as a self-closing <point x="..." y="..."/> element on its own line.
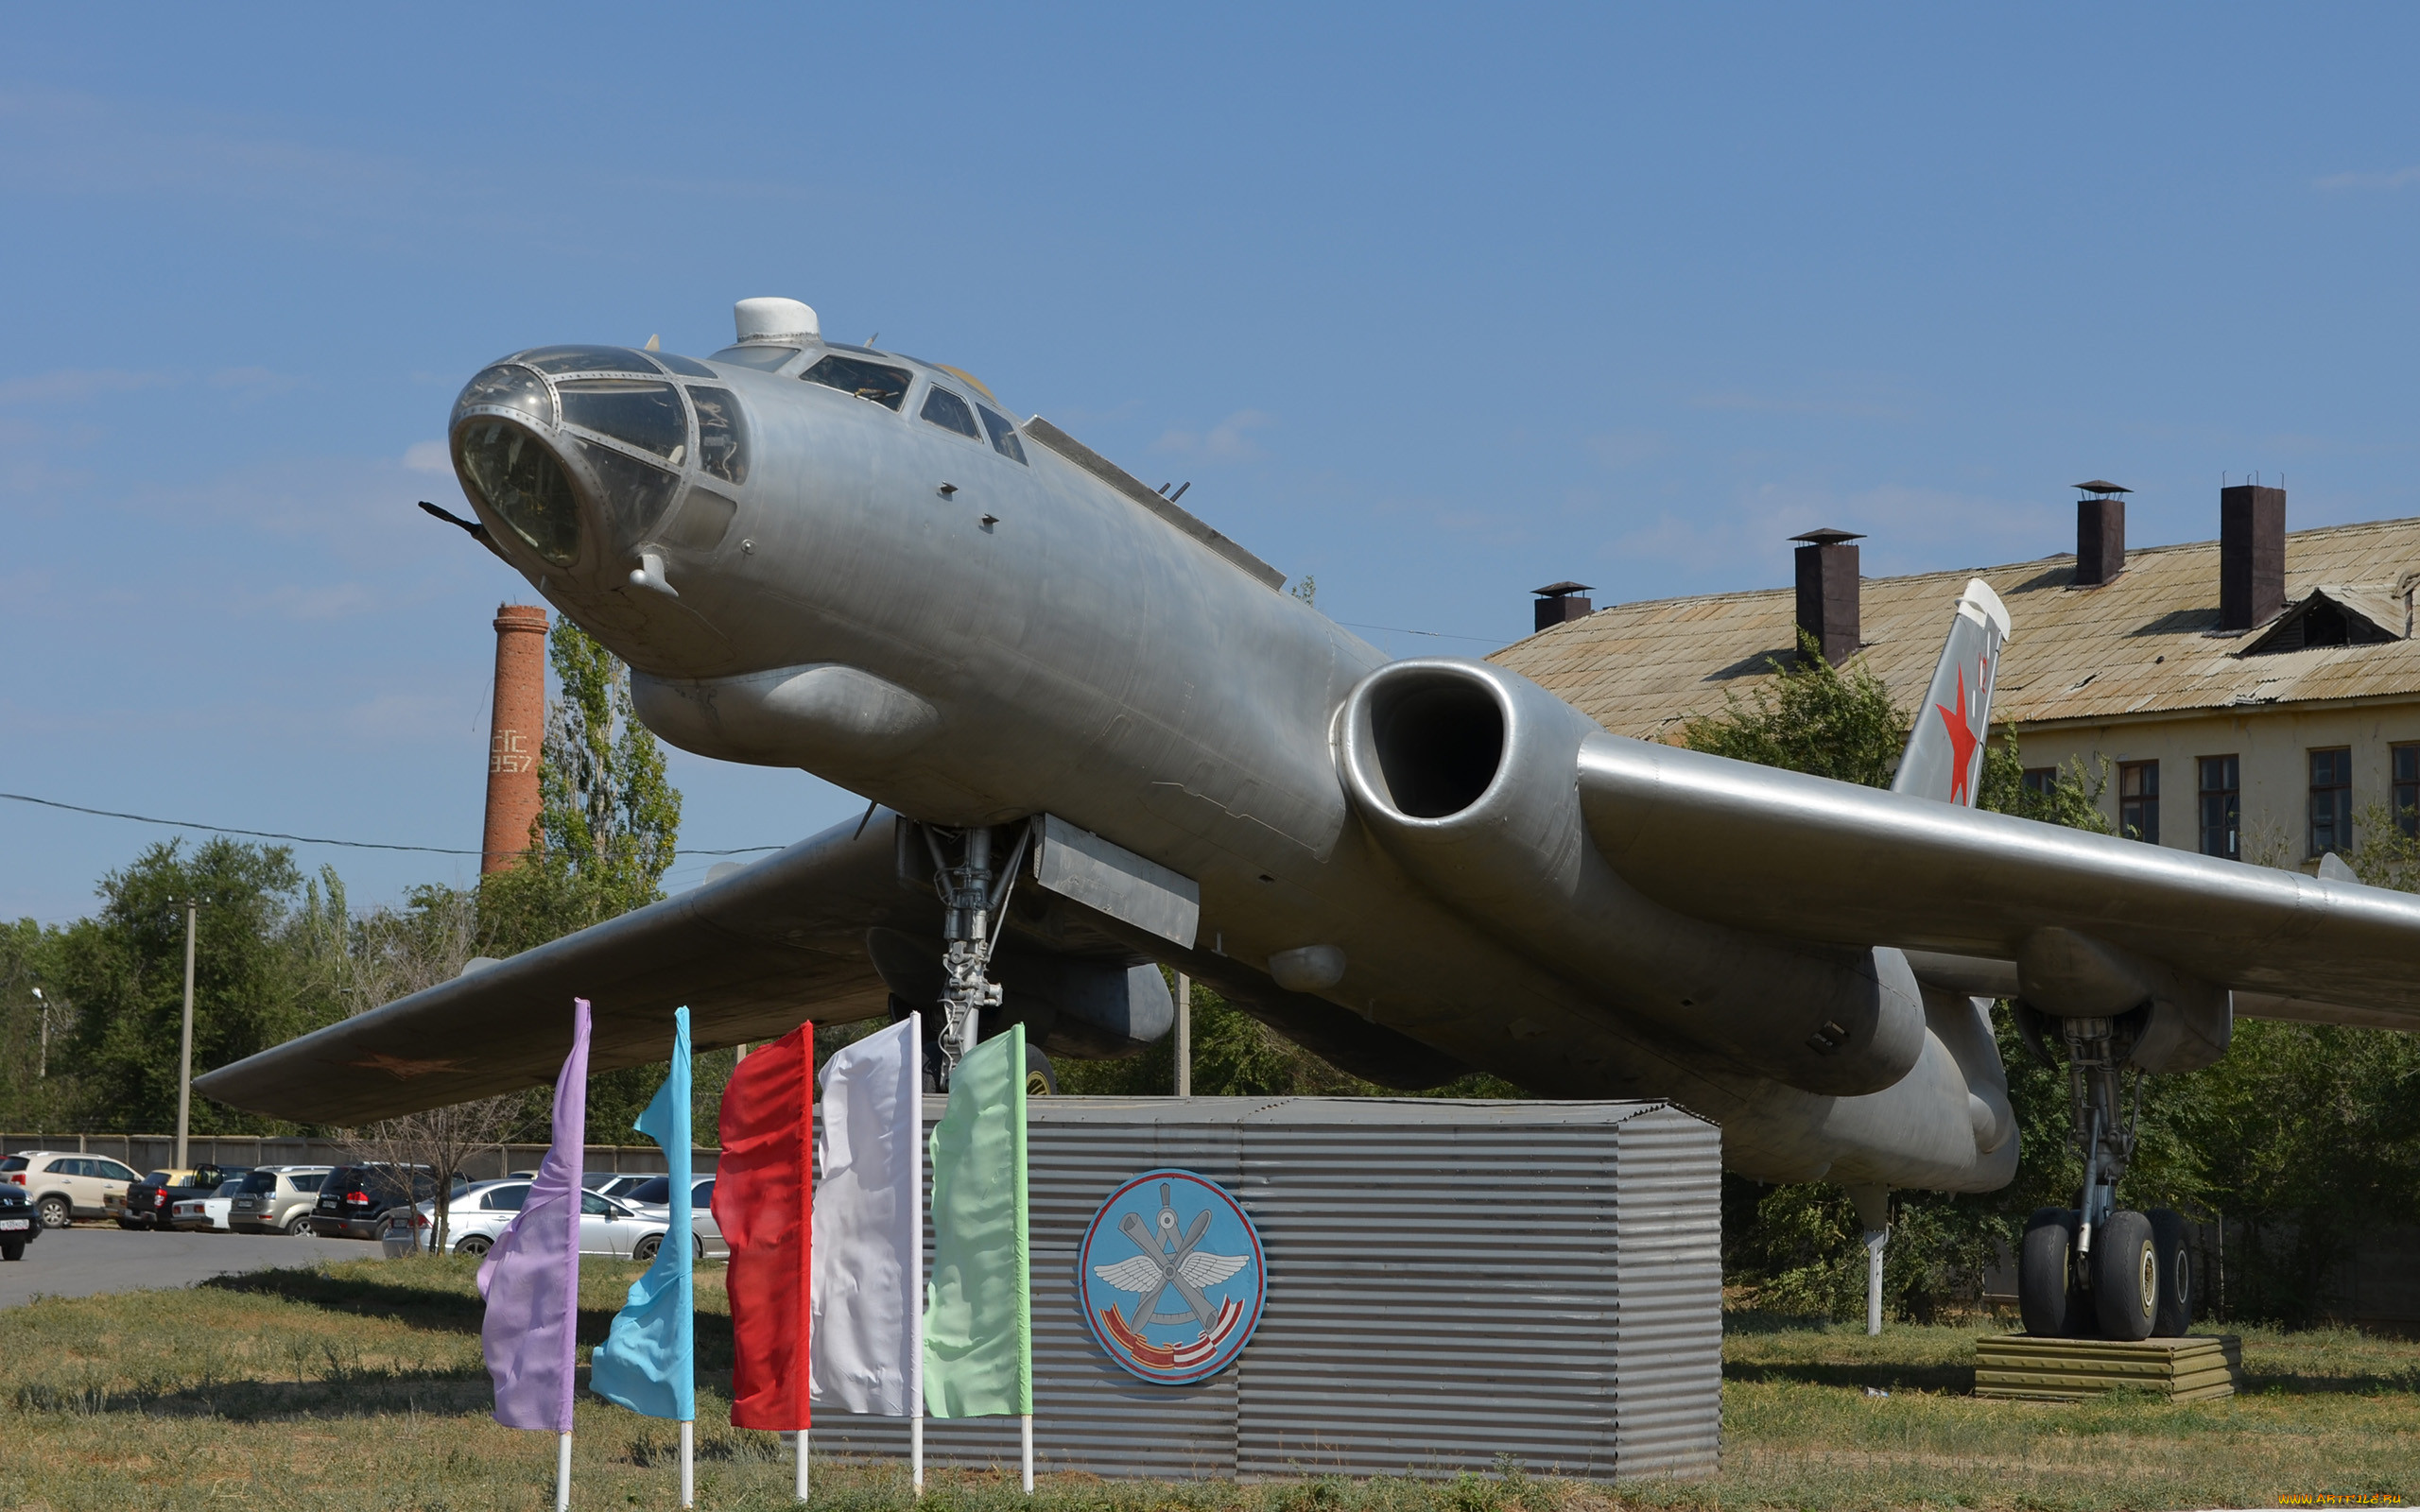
<point x="1441" y="635"/>
<point x="318" y="839"/>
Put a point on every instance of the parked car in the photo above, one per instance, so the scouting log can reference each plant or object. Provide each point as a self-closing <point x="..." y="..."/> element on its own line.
<point x="477" y="1214"/>
<point x="18" y="1222"/>
<point x="611" y="1183"/>
<point x="146" y="1201"/>
<point x="653" y="1196"/>
<point x="202" y="1203"/>
<point x="354" y="1199"/>
<point x="276" y="1199"/>
<point x="64" y="1185"/>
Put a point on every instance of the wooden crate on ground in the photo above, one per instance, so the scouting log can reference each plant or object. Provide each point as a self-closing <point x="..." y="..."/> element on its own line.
<point x="2197" y="1368"/>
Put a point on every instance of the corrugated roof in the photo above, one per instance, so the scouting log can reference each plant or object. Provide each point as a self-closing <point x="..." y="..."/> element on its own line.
<point x="2140" y="645"/>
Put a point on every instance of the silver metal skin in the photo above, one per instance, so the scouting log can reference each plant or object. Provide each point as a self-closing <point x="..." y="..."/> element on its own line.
<point x="1413" y="867"/>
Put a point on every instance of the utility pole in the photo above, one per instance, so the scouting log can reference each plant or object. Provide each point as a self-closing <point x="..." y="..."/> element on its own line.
<point x="185" y="1050"/>
<point x="42" y="1063"/>
<point x="1183" y="1035"/>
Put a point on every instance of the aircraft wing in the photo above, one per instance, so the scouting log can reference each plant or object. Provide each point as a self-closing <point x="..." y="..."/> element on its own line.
<point x="1819" y="860"/>
<point x="750" y="955"/>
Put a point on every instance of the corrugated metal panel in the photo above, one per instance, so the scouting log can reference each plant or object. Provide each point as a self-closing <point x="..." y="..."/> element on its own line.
<point x="1449" y="1282"/>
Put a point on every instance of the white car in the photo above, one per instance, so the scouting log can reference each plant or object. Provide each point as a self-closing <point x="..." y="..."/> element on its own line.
<point x="478" y="1213"/>
<point x="65" y="1185"/>
<point x="192" y="1214"/>
<point x="654" y="1197"/>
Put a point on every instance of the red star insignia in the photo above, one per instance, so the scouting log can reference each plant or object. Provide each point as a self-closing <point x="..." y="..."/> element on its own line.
<point x="1962" y="738"/>
<point x="402" y="1067"/>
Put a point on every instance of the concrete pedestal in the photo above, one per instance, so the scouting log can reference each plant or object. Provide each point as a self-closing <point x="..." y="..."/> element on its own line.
<point x="2200" y="1367"/>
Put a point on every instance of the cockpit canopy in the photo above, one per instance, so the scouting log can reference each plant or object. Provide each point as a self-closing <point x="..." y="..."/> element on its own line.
<point x="623" y="421"/>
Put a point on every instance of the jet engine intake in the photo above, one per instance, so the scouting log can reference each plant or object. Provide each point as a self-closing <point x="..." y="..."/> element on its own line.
<point x="1466" y="774"/>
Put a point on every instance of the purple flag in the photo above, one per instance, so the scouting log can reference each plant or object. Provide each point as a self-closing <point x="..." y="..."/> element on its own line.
<point x="531" y="1276"/>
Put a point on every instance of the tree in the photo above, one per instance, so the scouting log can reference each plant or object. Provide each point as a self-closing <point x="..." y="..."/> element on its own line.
<point x="123" y="974"/>
<point x="606" y="833"/>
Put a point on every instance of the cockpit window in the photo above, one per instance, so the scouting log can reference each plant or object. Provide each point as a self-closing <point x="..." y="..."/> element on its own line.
<point x="764" y="359"/>
<point x="509" y="387"/>
<point x="685" y="367"/>
<point x="887" y="387"/>
<point x="521" y="481"/>
<point x="645" y="414"/>
<point x="632" y="494"/>
<point x="722" y="436"/>
<point x="949" y="412"/>
<point x="588" y="359"/>
<point x="1004" y="435"/>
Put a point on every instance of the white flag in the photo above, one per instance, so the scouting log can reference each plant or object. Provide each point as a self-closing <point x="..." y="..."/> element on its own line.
<point x="866" y="1339"/>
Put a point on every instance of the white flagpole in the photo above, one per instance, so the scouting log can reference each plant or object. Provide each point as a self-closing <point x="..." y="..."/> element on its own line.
<point x="688" y="1463"/>
<point x="1026" y="1423"/>
<point x="916" y="1250"/>
<point x="563" y="1471"/>
<point x="800" y="1486"/>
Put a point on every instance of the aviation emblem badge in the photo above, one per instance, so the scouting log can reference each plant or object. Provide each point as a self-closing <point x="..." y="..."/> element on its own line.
<point x="1172" y="1237"/>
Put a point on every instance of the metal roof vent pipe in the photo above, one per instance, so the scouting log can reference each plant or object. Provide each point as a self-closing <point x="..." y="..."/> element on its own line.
<point x="2252" y="556"/>
<point x="1556" y="604"/>
<point x="2100" y="532"/>
<point x="1827" y="589"/>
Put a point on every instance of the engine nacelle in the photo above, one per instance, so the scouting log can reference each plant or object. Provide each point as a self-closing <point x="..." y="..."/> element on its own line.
<point x="1467" y="775"/>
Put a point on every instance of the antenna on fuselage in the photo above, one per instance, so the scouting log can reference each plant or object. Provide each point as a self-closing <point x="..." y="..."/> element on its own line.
<point x="1180" y="491"/>
<point x="872" y="339"/>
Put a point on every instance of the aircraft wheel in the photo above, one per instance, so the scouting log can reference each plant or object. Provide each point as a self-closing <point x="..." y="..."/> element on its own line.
<point x="2125" y="1277"/>
<point x="2046" y="1287"/>
<point x="2175" y="1318"/>
<point x="1040" y="1080"/>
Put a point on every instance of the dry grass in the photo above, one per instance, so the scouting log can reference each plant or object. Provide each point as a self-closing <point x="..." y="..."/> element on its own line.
<point x="360" y="1386"/>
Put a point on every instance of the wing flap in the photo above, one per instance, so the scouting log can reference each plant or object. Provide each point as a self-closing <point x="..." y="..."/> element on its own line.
<point x="1820" y="860"/>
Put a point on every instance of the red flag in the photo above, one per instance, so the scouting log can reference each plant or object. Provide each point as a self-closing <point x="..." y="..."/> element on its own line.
<point x="765" y="1205"/>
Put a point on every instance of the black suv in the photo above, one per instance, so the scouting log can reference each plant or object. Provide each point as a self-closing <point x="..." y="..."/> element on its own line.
<point x="355" y="1197"/>
<point x="147" y="1201"/>
<point x="18" y="1222"/>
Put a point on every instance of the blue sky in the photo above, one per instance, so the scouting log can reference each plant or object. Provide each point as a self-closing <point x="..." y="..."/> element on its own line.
<point x="1436" y="305"/>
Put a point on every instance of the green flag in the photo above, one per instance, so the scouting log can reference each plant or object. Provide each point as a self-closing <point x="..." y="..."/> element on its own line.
<point x="978" y="1307"/>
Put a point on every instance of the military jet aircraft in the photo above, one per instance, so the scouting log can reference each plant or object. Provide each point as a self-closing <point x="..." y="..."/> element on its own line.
<point x="1097" y="738"/>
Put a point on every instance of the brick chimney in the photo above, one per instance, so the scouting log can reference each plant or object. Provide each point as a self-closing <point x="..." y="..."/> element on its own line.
<point x="514" y="733"/>
<point x="1556" y="604"/>
<point x="1828" y="591"/>
<point x="2251" y="555"/>
<point x="2100" y="532"/>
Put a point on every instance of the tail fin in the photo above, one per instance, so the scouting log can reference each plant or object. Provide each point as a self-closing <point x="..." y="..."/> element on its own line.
<point x="1944" y="756"/>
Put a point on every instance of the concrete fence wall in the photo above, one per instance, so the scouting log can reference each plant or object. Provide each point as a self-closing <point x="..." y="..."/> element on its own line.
<point x="152" y="1152"/>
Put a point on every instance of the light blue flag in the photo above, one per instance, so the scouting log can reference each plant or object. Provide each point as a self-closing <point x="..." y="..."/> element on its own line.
<point x="649" y="1362"/>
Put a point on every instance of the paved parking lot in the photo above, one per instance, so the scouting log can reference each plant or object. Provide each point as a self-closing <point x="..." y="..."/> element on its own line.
<point x="89" y="1259"/>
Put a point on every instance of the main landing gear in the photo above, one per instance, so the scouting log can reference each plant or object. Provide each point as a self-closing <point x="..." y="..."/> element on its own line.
<point x="975" y="899"/>
<point x="2099" y="1270"/>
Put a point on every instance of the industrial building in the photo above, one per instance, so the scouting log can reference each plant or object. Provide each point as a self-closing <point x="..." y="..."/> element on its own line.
<point x="2256" y="696"/>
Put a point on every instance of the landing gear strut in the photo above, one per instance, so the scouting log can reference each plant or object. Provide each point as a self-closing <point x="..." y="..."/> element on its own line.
<point x="975" y="896"/>
<point x="2099" y="1269"/>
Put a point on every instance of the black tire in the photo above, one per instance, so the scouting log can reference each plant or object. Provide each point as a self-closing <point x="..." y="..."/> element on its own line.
<point x="648" y="1247"/>
<point x="299" y="1226"/>
<point x="1040" y="1079"/>
<point x="130" y="1223"/>
<point x="2175" y="1318"/>
<point x="12" y="1249"/>
<point x="2046" y="1285"/>
<point x="55" y="1212"/>
<point x="2125" y="1277"/>
<point x="474" y="1246"/>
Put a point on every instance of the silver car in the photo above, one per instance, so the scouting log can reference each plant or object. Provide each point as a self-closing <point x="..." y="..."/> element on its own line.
<point x="478" y="1213"/>
<point x="276" y="1199"/>
<point x="654" y="1197"/>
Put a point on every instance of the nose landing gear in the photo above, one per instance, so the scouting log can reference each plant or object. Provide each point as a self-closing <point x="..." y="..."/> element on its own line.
<point x="2098" y="1269"/>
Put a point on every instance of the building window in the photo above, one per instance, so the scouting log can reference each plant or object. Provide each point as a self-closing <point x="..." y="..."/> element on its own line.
<point x="2222" y="806"/>
<point x="2044" y="781"/>
<point x="2406" y="764"/>
<point x="2331" y="801"/>
<point x="2138" y="800"/>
